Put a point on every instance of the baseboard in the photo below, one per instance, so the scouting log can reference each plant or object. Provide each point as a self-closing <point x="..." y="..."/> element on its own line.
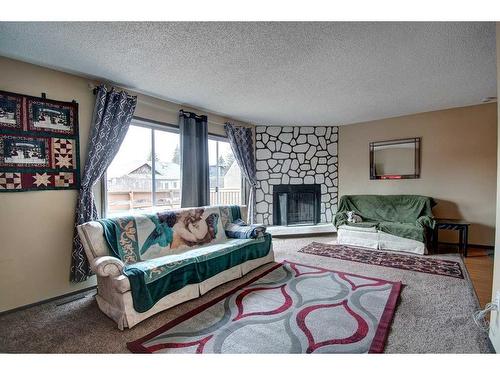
<point x="301" y="230"/>
<point x="486" y="247"/>
<point x="24" y="307"/>
<point x="302" y="235"/>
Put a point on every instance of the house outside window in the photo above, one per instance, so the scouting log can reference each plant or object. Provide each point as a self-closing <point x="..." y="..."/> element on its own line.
<point x="225" y="174"/>
<point x="145" y="174"/>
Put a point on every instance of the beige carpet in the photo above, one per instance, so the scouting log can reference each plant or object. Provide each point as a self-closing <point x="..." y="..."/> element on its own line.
<point x="434" y="315"/>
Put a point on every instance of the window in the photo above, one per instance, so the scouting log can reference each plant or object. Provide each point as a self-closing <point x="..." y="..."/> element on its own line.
<point x="225" y="174"/>
<point x="145" y="174"/>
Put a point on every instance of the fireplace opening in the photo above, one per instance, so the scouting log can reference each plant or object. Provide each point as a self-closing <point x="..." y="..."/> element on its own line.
<point x="296" y="204"/>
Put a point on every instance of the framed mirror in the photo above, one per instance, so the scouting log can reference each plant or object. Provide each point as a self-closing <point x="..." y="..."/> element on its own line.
<point x="396" y="159"/>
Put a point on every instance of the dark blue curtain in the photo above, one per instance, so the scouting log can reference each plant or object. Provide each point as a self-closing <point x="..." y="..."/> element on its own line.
<point x="113" y="113"/>
<point x="195" y="183"/>
<point x="241" y="141"/>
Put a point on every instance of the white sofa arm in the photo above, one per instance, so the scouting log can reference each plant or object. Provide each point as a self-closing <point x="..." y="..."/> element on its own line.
<point x="107" y="266"/>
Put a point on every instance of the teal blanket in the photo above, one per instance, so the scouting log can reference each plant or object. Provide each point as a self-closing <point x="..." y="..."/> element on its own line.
<point x="147" y="290"/>
<point x="165" y="251"/>
<point x="408" y="216"/>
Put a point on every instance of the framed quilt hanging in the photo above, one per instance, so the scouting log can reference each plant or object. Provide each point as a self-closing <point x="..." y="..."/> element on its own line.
<point x="39" y="147"/>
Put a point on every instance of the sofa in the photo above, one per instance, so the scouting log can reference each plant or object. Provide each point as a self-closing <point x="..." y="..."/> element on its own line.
<point x="386" y="222"/>
<point x="149" y="262"/>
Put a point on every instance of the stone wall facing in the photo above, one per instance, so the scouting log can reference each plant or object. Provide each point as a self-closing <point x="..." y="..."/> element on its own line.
<point x="296" y="155"/>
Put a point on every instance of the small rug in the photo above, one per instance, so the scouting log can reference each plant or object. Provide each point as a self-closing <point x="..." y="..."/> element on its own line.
<point x="290" y="308"/>
<point x="415" y="263"/>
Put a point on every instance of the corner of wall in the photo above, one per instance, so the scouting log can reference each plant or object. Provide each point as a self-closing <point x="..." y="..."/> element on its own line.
<point x="495" y="316"/>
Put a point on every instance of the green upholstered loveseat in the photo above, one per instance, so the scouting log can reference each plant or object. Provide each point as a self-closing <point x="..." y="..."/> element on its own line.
<point x="389" y="222"/>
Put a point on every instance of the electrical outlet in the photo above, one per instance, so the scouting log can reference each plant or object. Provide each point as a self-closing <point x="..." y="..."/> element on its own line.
<point x="496" y="301"/>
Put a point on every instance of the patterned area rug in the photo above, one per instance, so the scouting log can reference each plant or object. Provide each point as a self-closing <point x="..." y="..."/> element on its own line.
<point x="387" y="259"/>
<point x="290" y="308"/>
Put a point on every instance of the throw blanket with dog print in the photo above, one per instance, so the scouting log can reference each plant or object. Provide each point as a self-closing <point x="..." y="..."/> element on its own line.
<point x="147" y="236"/>
<point x="167" y="250"/>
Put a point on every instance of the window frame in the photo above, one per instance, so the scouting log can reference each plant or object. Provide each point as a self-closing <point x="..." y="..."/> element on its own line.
<point x="148" y="124"/>
<point x="167" y="127"/>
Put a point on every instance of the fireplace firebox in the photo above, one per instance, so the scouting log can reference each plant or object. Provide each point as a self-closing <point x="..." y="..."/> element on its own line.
<point x="296" y="204"/>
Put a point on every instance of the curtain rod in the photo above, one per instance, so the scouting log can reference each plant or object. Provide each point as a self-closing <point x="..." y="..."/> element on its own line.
<point x="94" y="91"/>
<point x="93" y="87"/>
<point x="181" y="111"/>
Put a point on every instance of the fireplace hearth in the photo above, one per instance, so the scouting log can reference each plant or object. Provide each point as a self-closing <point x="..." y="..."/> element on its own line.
<point x="296" y="204"/>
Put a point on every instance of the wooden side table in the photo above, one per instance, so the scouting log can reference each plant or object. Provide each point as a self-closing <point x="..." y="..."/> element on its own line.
<point x="453" y="224"/>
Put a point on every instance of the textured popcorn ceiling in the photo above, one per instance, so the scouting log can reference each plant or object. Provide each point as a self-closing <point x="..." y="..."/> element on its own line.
<point x="276" y="73"/>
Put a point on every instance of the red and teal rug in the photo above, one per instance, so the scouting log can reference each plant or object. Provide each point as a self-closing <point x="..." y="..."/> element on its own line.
<point x="425" y="264"/>
<point x="290" y="308"/>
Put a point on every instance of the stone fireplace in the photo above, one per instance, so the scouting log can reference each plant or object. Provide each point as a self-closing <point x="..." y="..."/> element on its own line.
<point x="296" y="155"/>
<point x="296" y="204"/>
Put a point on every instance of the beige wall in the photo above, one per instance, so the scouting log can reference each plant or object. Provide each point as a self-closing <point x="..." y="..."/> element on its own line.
<point x="36" y="227"/>
<point x="495" y="317"/>
<point x="458" y="163"/>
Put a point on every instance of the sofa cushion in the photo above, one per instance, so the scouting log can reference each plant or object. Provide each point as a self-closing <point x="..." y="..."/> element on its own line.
<point x="365" y="226"/>
<point x="155" y="268"/>
<point x="405" y="230"/>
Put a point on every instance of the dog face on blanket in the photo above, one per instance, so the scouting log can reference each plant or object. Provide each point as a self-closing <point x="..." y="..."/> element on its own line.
<point x="191" y="229"/>
<point x="353" y="218"/>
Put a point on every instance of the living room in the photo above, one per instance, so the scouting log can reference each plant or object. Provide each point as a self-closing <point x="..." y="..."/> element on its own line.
<point x="249" y="187"/>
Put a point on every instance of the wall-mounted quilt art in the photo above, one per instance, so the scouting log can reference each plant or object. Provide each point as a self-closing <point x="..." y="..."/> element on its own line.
<point x="38" y="144"/>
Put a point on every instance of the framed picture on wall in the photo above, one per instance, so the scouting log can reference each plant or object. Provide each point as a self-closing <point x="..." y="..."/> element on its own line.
<point x="51" y="116"/>
<point x="21" y="152"/>
<point x="39" y="148"/>
<point x="11" y="111"/>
